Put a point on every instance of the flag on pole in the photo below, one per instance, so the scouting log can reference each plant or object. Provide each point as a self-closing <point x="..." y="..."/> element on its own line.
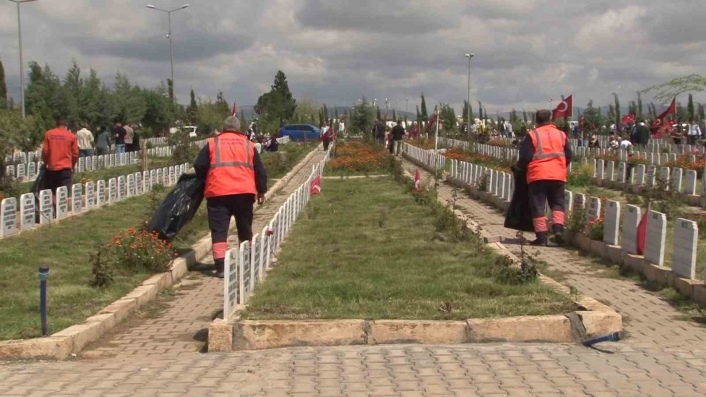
<point x="659" y="121"/>
<point x="642" y="234"/>
<point x="234" y="112"/>
<point x="417" y="181"/>
<point x="628" y="118"/>
<point x="564" y="109"/>
<point x="315" y="186"/>
<point x="432" y="121"/>
<point x="582" y="122"/>
<point x="414" y="132"/>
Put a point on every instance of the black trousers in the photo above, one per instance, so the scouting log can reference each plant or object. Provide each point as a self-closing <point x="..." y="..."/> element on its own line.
<point x="57" y="179"/>
<point x="541" y="192"/>
<point x="220" y="210"/>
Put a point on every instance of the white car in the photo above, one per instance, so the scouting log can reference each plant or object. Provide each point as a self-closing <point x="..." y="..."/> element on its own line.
<point x="191" y="129"/>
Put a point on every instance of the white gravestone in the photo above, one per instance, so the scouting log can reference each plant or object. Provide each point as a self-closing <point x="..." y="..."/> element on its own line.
<point x="172" y="176"/>
<point x="10" y="171"/>
<point x="594" y="166"/>
<point x="62" y="202"/>
<point x="112" y="160"/>
<point x="32" y="171"/>
<point x="676" y="180"/>
<point x="611" y="225"/>
<point x="686" y="239"/>
<point x="579" y="201"/>
<point x="568" y="200"/>
<point x="21" y="171"/>
<point x="158" y="175"/>
<point x="508" y="187"/>
<point x="89" y="163"/>
<point x="101" y="198"/>
<point x="650" y="177"/>
<point x="121" y="188"/>
<point x="112" y="191"/>
<point x="600" y="169"/>
<point x="266" y="250"/>
<point x="231" y="292"/>
<point x="8" y="214"/>
<point x="664" y="177"/>
<point x="81" y="164"/>
<point x="130" y="185"/>
<point x="691" y="177"/>
<point x="76" y="198"/>
<point x="656" y="234"/>
<point x="46" y="207"/>
<point x="146" y="181"/>
<point x="27" y="211"/>
<point x="640" y="174"/>
<point x="90" y="195"/>
<point x="165" y="176"/>
<point x="139" y="185"/>
<point x="594" y="209"/>
<point x="245" y="274"/>
<point x="621" y="172"/>
<point x="610" y="171"/>
<point x="256" y="261"/>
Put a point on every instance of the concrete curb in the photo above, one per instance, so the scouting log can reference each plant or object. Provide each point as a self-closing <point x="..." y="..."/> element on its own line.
<point x="72" y="340"/>
<point x="593" y="318"/>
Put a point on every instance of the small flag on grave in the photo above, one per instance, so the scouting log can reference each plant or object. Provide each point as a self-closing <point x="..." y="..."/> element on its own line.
<point x="417" y="181"/>
<point x="316" y="186"/>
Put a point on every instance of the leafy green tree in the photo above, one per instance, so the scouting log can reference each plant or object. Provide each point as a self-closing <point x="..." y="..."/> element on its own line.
<point x="447" y="116"/>
<point x="363" y="118"/>
<point x="3" y="87"/>
<point x="592" y="117"/>
<point x="667" y="91"/>
<point x="513" y="116"/>
<point x="682" y="113"/>
<point x="159" y="112"/>
<point x="425" y="116"/>
<point x="192" y="110"/>
<point x="611" y="115"/>
<point x="170" y="86"/>
<point x="278" y="104"/>
<point x="616" y="110"/>
<point x="129" y="104"/>
<point x="222" y="106"/>
<point x="639" y="105"/>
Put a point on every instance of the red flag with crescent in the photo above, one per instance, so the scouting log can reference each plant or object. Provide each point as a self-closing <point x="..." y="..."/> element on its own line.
<point x="659" y="121"/>
<point x="315" y="186"/>
<point x="414" y="132"/>
<point x="582" y="122"/>
<point x="565" y="108"/>
<point x="234" y="112"/>
<point x="629" y="118"/>
<point x="432" y="121"/>
<point x="417" y="181"/>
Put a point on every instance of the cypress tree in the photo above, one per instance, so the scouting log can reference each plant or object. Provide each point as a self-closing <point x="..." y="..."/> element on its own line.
<point x="3" y="87"/>
<point x="425" y="116"/>
<point x="639" y="105"/>
<point x="690" y="107"/>
<point x="379" y="114"/>
<point x="617" y="110"/>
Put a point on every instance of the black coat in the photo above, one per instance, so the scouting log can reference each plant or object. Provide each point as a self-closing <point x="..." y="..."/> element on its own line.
<point x="518" y="216"/>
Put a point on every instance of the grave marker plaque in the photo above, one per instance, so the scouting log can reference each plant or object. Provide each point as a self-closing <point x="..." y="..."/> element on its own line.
<point x="32" y="171"/>
<point x="594" y="208"/>
<point x="139" y="184"/>
<point x="664" y="177"/>
<point x="77" y="198"/>
<point x="256" y="261"/>
<point x="27" y="211"/>
<point x="122" y="188"/>
<point x="650" y="177"/>
<point x="621" y="172"/>
<point x="594" y="166"/>
<point x="656" y="234"/>
<point x="21" y="171"/>
<point x="46" y="207"/>
<point x="89" y="163"/>
<point x="101" y="197"/>
<point x="165" y="176"/>
<point x="686" y="238"/>
<point x="10" y="171"/>
<point x="611" y="225"/>
<point x="90" y="195"/>
<point x="62" y="202"/>
<point x="232" y="284"/>
<point x="245" y="273"/>
<point x="8" y="214"/>
<point x="172" y="176"/>
<point x="130" y="185"/>
<point x="610" y="171"/>
<point x="112" y="160"/>
<point x="633" y="215"/>
<point x="676" y="180"/>
<point x="81" y="164"/>
<point x="690" y="182"/>
<point x="568" y="200"/>
<point x="599" y="169"/>
<point x="112" y="191"/>
<point x="579" y="201"/>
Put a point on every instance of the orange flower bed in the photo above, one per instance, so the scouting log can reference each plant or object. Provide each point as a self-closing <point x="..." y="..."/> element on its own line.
<point x="358" y="157"/>
<point x="140" y="249"/>
<point x="684" y="161"/>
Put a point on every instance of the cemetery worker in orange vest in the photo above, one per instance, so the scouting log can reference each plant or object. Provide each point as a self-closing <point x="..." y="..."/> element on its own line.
<point x="60" y="155"/>
<point x="545" y="153"/>
<point x="235" y="178"/>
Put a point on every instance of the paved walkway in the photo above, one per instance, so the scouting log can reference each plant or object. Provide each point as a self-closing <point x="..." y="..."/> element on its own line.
<point x="663" y="357"/>
<point x="182" y="326"/>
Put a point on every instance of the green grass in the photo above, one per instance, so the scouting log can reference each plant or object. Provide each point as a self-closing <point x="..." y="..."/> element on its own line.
<point x="340" y="263"/>
<point x="66" y="246"/>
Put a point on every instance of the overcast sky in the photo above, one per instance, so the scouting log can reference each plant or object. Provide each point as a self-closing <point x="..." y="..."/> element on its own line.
<point x="335" y="51"/>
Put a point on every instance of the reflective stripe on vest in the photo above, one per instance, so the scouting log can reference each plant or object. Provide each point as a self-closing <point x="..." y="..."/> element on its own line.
<point x="540" y="152"/>
<point x="218" y="162"/>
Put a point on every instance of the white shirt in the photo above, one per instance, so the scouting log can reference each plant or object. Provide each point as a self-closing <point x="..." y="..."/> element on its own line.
<point x="341" y="126"/>
<point x="85" y="139"/>
<point x="324" y="130"/>
<point x="694" y="129"/>
<point x="625" y="144"/>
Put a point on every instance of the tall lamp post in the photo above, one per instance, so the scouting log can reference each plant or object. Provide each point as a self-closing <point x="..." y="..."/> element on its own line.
<point x="468" y="110"/>
<point x="22" y="63"/>
<point x="169" y="36"/>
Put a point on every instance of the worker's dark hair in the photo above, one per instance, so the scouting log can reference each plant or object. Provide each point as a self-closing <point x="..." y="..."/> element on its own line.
<point x="61" y="122"/>
<point x="543" y="116"/>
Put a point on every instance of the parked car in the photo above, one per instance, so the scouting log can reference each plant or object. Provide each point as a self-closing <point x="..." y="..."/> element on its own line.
<point x="296" y="132"/>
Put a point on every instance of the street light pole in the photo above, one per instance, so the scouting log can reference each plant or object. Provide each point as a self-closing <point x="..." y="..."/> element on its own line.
<point x="468" y="110"/>
<point x="169" y="36"/>
<point x="22" y="64"/>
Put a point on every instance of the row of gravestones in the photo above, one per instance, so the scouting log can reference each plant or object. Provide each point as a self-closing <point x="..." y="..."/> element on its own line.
<point x="26" y="157"/>
<point x="427" y="157"/>
<point x="641" y="175"/>
<point x="654" y="145"/>
<point x="247" y="266"/>
<point x="498" y="183"/>
<point x="29" y="171"/>
<point x="686" y="232"/>
<point x="83" y="198"/>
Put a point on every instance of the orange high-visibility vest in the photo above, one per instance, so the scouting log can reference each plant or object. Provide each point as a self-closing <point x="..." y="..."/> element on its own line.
<point x="232" y="168"/>
<point x="549" y="161"/>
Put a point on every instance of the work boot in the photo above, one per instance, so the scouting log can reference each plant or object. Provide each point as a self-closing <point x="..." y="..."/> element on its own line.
<point x="220" y="266"/>
<point x="559" y="234"/>
<point x="541" y="239"/>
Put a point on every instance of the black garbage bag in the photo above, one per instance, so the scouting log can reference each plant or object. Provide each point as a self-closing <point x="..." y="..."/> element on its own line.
<point x="178" y="207"/>
<point x="518" y="216"/>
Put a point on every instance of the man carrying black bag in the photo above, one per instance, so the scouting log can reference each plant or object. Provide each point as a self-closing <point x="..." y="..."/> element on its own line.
<point x="235" y="177"/>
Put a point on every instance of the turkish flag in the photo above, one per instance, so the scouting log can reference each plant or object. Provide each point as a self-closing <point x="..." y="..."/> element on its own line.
<point x="432" y="121"/>
<point x="642" y="234"/>
<point x="659" y="121"/>
<point x="582" y="121"/>
<point x="629" y="118"/>
<point x="414" y="132"/>
<point x="234" y="112"/>
<point x="565" y="108"/>
<point x="315" y="186"/>
<point x="417" y="181"/>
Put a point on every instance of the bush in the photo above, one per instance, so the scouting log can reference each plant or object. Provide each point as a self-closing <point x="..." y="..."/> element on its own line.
<point x="505" y="271"/>
<point x="594" y="229"/>
<point x="184" y="150"/>
<point x="577" y="220"/>
<point x="580" y="177"/>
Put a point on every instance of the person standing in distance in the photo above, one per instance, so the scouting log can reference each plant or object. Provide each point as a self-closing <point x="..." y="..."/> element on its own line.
<point x="60" y="155"/>
<point x="129" y="135"/>
<point x="397" y="134"/>
<point x="235" y="177"/>
<point x="545" y="153"/>
<point x="85" y="141"/>
<point x="119" y="135"/>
